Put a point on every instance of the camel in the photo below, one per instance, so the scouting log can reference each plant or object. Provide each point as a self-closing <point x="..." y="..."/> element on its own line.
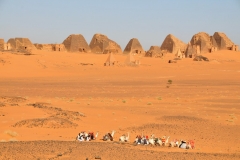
<point x="124" y="138"/>
<point x="80" y="137"/>
<point x="185" y="145"/>
<point x="152" y="140"/>
<point x="167" y="142"/>
<point x="144" y="140"/>
<point x="138" y="139"/>
<point x="108" y="136"/>
<point x="86" y="136"/>
<point x="191" y="144"/>
<point x="159" y="141"/>
<point x="91" y="136"/>
<point x="174" y="143"/>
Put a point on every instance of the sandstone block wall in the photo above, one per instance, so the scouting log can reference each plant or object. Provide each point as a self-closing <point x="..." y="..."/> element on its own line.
<point x="44" y="47"/>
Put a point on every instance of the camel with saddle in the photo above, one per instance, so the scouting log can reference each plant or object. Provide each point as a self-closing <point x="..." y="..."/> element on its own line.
<point x="108" y="136"/>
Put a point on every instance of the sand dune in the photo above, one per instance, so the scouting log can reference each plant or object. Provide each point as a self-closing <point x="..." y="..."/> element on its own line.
<point x="47" y="98"/>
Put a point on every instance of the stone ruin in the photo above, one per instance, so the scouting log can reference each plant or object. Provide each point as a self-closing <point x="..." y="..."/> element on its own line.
<point x="1" y="44"/>
<point x="50" y="47"/>
<point x="103" y="45"/>
<point x="172" y="44"/>
<point x="134" y="47"/>
<point x="76" y="43"/>
<point x="223" y="42"/>
<point x="111" y="61"/>
<point x="44" y="47"/>
<point x="20" y="45"/>
<point x="203" y="43"/>
<point x="4" y="46"/>
<point x="154" y="51"/>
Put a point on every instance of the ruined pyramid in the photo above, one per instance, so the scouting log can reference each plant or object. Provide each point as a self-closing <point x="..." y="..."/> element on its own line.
<point x="21" y="44"/>
<point x="102" y="44"/>
<point x="173" y="44"/>
<point x="203" y="43"/>
<point x="76" y="43"/>
<point x="222" y="41"/>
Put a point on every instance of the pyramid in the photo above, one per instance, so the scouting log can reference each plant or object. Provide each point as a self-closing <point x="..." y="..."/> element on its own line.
<point x="203" y="43"/>
<point x="189" y="51"/>
<point x="173" y="44"/>
<point x="110" y="60"/>
<point x="222" y="41"/>
<point x="102" y="44"/>
<point x="179" y="54"/>
<point x="1" y="44"/>
<point x="154" y="51"/>
<point x="21" y="44"/>
<point x="76" y="43"/>
<point x="130" y="59"/>
<point x="134" y="47"/>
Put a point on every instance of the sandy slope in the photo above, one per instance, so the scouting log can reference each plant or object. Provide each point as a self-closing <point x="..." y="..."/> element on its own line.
<point x="51" y="96"/>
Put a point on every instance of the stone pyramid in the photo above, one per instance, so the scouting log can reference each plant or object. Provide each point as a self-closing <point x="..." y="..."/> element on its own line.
<point x="110" y="60"/>
<point x="154" y="51"/>
<point x="130" y="59"/>
<point x="189" y="51"/>
<point x="102" y="44"/>
<point x="76" y="43"/>
<point x="204" y="41"/>
<point x="21" y="44"/>
<point x="134" y="47"/>
<point x="179" y="54"/>
<point x="173" y="44"/>
<point x="222" y="41"/>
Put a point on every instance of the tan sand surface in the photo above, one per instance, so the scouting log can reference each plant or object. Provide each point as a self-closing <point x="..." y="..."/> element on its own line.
<point x="47" y="98"/>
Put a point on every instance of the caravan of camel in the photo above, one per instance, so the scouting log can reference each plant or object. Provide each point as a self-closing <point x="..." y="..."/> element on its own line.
<point x="139" y="140"/>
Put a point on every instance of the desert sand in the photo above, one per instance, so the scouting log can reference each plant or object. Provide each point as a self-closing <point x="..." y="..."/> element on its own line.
<point x="47" y="98"/>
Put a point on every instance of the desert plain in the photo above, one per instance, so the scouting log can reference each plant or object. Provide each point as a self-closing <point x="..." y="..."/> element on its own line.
<point x="47" y="98"/>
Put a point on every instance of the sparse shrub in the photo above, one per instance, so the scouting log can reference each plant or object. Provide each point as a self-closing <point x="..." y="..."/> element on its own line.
<point x="170" y="81"/>
<point x="124" y="101"/>
<point x="149" y="103"/>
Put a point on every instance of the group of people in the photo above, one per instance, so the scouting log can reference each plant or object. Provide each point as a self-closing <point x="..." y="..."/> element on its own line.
<point x="86" y="136"/>
<point x="140" y="140"/>
<point x="164" y="141"/>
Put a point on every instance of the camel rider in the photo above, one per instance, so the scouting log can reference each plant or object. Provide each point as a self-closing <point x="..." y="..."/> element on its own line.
<point x="163" y="139"/>
<point x="91" y="134"/>
<point x="139" y="139"/>
<point x="110" y="137"/>
<point x="80" y="137"/>
<point x="145" y="140"/>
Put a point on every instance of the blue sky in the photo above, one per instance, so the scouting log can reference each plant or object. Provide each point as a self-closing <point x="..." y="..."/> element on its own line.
<point x="51" y="21"/>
